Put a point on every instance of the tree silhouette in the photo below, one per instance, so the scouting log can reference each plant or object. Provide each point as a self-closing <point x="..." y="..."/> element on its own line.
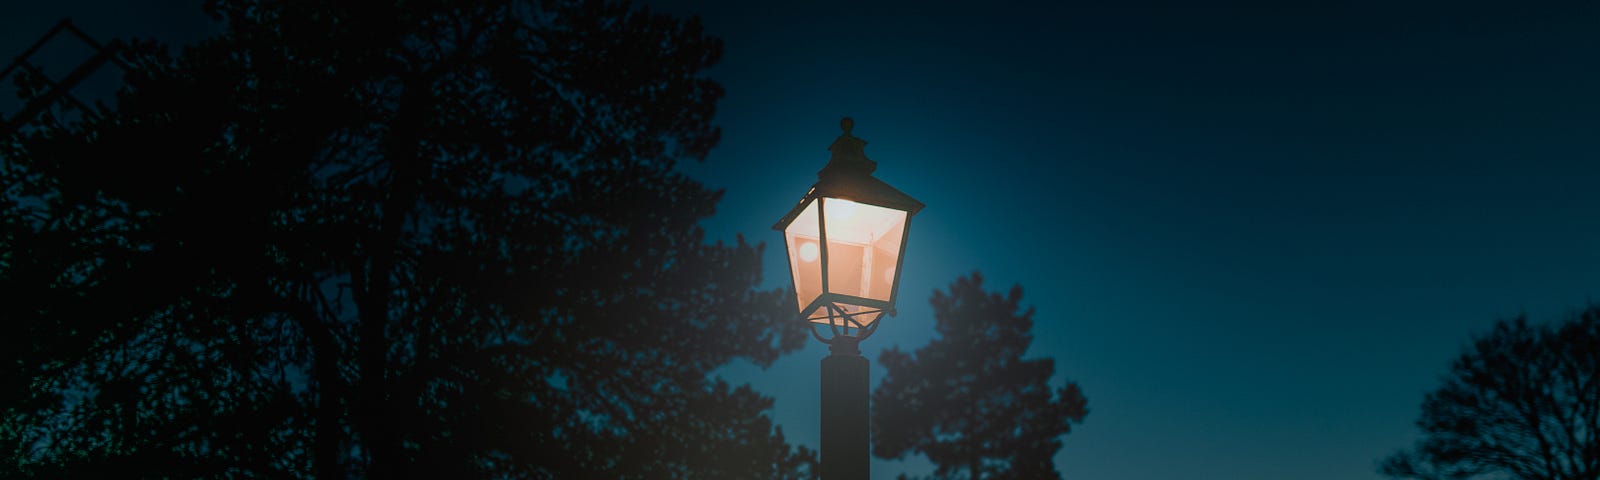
<point x="430" y="239"/>
<point x="1522" y="402"/>
<point x="968" y="400"/>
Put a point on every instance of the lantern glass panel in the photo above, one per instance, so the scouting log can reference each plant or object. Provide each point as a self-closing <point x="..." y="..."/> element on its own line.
<point x="802" y="238"/>
<point x="863" y="247"/>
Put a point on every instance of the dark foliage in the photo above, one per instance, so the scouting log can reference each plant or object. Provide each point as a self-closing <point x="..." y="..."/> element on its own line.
<point x="1523" y="402"/>
<point x="968" y="400"/>
<point x="433" y="239"/>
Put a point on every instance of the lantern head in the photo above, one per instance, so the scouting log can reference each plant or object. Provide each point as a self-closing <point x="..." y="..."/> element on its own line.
<point x="846" y="239"/>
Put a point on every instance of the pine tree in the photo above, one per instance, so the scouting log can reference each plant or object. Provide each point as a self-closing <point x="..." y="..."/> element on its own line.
<point x="968" y="400"/>
<point x="431" y="239"/>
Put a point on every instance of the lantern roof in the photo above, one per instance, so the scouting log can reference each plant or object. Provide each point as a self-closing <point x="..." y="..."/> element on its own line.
<point x="848" y="175"/>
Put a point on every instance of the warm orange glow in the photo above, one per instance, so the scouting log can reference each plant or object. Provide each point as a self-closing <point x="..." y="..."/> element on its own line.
<point x="863" y="249"/>
<point x="862" y="245"/>
<point x="803" y="232"/>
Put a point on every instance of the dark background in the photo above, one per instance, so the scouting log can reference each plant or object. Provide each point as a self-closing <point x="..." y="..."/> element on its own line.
<point x="1255" y="234"/>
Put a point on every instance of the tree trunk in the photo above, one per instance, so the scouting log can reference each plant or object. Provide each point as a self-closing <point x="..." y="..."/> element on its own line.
<point x="325" y="369"/>
<point x="401" y="150"/>
<point x="325" y="376"/>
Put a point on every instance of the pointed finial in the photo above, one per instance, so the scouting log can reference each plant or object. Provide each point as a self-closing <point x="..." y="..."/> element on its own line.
<point x="849" y="155"/>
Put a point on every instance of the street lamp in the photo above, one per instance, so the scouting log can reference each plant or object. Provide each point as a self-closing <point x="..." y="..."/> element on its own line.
<point x="846" y="241"/>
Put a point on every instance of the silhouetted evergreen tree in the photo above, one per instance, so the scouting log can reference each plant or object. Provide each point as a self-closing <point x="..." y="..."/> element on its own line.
<point x="1522" y="402"/>
<point x="968" y="400"/>
<point x="434" y="239"/>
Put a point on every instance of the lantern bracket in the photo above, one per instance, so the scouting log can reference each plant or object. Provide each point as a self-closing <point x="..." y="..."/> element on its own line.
<point x="843" y="341"/>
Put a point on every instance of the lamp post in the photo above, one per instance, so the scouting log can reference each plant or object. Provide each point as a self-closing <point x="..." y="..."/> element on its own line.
<point x="846" y="240"/>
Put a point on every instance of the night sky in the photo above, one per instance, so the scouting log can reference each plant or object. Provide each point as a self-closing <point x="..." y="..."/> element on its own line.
<point x="1256" y="235"/>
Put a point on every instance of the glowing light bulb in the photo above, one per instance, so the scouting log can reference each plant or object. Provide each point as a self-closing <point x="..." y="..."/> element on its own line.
<point x="808" y="252"/>
<point x="841" y="209"/>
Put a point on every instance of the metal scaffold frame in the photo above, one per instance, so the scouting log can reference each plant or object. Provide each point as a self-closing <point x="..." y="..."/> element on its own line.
<point x="58" y="90"/>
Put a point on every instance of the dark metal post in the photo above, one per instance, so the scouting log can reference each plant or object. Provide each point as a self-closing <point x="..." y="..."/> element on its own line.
<point x="845" y="434"/>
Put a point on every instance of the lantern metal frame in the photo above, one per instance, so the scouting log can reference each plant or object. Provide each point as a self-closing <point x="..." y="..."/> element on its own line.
<point x="848" y="176"/>
<point x="828" y="302"/>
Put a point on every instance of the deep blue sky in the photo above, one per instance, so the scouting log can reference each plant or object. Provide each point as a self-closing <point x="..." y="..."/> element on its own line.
<point x="1255" y="234"/>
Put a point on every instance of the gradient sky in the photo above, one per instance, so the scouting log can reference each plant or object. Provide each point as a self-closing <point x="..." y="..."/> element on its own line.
<point x="1256" y="235"/>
